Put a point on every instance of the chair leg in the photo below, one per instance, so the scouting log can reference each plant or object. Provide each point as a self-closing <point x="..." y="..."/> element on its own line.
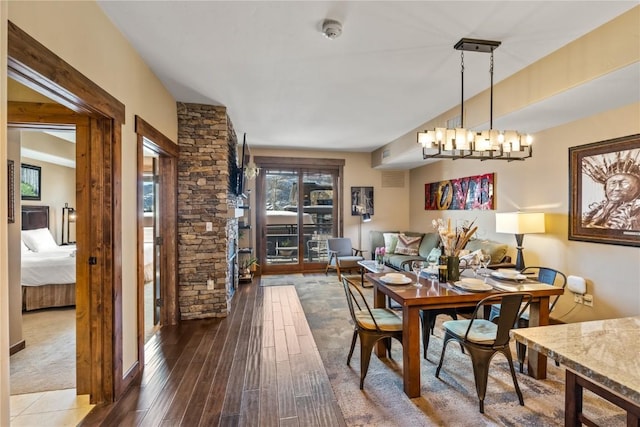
<point x="480" y="362"/>
<point x="521" y="350"/>
<point x="353" y="345"/>
<point x="507" y="353"/>
<point x="338" y="270"/>
<point x="366" y="347"/>
<point x="426" y="322"/>
<point x="447" y="338"/>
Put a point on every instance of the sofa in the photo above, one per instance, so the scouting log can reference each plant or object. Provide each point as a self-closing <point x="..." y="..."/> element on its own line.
<point x="401" y="260"/>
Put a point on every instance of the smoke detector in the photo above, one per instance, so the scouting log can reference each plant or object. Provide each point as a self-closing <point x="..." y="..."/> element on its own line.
<point x="331" y="29"/>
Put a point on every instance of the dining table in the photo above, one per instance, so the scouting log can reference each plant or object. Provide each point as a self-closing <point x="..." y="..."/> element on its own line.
<point x="436" y="295"/>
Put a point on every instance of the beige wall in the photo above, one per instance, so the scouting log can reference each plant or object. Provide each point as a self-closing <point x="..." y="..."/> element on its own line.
<point x="541" y="184"/>
<point x="91" y="44"/>
<point x="391" y="205"/>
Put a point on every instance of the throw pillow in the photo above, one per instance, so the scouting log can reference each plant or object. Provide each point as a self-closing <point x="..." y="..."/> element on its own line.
<point x="39" y="240"/>
<point x="408" y="245"/>
<point x="390" y="242"/>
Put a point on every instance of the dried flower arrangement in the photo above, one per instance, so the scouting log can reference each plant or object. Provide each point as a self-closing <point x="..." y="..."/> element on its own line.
<point x="453" y="239"/>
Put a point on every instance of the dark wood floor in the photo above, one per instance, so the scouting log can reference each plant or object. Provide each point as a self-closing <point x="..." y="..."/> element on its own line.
<point x="259" y="366"/>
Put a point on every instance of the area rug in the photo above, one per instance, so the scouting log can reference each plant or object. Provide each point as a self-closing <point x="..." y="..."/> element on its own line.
<point x="48" y="362"/>
<point x="448" y="401"/>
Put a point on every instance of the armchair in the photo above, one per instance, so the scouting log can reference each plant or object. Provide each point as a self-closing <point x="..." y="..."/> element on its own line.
<point x="342" y="256"/>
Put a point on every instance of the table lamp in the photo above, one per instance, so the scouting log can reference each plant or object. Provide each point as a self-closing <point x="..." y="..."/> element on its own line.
<point x="520" y="223"/>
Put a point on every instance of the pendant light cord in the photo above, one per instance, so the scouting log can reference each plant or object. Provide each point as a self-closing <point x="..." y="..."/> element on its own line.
<point x="491" y="95"/>
<point x="462" y="89"/>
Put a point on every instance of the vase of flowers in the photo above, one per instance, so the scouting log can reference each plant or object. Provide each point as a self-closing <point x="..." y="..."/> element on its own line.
<point x="380" y="257"/>
<point x="453" y="241"/>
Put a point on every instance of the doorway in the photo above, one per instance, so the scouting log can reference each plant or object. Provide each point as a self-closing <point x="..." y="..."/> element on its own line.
<point x="98" y="287"/>
<point x="298" y="208"/>
<point x="45" y="294"/>
<point x="157" y="232"/>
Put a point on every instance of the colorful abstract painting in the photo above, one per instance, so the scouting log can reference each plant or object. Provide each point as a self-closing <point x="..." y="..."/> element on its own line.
<point x="470" y="193"/>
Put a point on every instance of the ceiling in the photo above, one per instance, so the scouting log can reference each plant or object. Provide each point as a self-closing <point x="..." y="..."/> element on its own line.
<point x="392" y="69"/>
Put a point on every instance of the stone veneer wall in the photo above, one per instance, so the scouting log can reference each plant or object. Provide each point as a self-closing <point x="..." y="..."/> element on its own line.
<point x="205" y="138"/>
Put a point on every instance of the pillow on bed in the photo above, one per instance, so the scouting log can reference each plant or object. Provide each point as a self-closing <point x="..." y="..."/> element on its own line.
<point x="39" y="240"/>
<point x="23" y="248"/>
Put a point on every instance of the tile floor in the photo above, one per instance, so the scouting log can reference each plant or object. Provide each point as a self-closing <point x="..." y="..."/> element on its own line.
<point x="48" y="409"/>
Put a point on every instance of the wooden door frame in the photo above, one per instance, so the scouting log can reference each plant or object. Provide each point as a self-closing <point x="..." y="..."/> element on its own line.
<point x="301" y="164"/>
<point x="168" y="158"/>
<point x="98" y="194"/>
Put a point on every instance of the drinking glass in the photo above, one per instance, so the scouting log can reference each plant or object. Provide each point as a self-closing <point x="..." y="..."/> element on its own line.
<point x="474" y="263"/>
<point x="417" y="267"/>
<point x="485" y="260"/>
<point x="433" y="266"/>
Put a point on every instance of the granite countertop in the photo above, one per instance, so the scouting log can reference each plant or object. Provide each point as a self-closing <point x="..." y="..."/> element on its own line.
<point x="606" y="352"/>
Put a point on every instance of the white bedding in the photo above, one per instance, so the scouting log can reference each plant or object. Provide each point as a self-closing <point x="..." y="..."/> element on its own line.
<point x="148" y="262"/>
<point x="55" y="266"/>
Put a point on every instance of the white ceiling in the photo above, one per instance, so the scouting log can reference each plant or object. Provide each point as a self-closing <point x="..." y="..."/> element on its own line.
<point x="392" y="69"/>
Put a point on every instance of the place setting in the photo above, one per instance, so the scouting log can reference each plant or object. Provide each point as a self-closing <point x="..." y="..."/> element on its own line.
<point x="471" y="284"/>
<point x="397" y="279"/>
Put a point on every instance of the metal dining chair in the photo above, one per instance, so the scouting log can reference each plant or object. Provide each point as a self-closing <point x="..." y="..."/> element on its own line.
<point x="370" y="325"/>
<point x="545" y="275"/>
<point x="483" y="338"/>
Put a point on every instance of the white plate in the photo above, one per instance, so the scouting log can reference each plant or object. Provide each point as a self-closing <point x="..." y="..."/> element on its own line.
<point x="395" y="279"/>
<point x="508" y="276"/>
<point x="473" y="285"/>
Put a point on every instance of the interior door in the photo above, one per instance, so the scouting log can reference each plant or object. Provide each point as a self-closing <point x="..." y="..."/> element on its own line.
<point x="152" y="242"/>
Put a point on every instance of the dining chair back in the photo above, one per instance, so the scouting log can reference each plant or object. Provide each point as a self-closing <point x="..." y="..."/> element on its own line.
<point x="370" y="325"/>
<point x="342" y="255"/>
<point x="545" y="275"/>
<point x="484" y="338"/>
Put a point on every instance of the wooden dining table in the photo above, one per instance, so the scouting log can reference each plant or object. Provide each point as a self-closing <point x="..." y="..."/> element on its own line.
<point x="435" y="295"/>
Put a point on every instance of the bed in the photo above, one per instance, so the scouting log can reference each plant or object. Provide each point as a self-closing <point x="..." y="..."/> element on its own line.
<point x="48" y="270"/>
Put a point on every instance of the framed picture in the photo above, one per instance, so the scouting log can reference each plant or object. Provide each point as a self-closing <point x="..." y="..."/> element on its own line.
<point x="468" y="193"/>
<point x="604" y="192"/>
<point x="361" y="200"/>
<point x="11" y="197"/>
<point x="30" y="180"/>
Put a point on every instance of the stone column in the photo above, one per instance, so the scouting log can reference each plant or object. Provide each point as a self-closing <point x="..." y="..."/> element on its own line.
<point x="207" y="144"/>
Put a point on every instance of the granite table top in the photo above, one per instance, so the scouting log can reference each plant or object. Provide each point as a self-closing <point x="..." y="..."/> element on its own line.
<point x="607" y="352"/>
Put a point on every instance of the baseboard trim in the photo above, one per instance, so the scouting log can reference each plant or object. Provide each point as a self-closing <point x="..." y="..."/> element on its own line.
<point x="20" y="345"/>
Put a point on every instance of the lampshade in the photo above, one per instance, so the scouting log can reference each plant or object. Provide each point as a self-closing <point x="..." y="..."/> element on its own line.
<point x="366" y="217"/>
<point x="520" y="222"/>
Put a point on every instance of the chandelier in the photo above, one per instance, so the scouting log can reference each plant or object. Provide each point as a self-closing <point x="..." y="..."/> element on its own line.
<point x="461" y="143"/>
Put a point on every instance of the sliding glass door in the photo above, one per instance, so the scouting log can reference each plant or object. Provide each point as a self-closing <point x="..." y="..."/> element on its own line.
<point x="297" y="212"/>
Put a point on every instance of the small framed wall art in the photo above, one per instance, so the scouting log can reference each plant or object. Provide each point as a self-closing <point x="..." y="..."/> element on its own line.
<point x="30" y="180"/>
<point x="361" y="200"/>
